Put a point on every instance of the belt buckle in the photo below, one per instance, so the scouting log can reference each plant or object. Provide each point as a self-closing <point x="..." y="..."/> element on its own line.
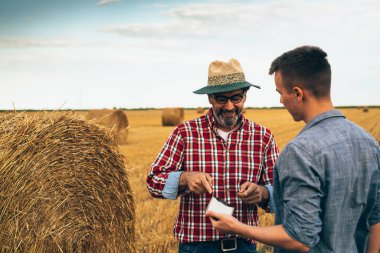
<point x="225" y="249"/>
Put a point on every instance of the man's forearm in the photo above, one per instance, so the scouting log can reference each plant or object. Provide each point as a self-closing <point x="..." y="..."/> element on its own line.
<point x="182" y="186"/>
<point x="182" y="179"/>
<point x="273" y="235"/>
<point x="265" y="193"/>
<point x="373" y="244"/>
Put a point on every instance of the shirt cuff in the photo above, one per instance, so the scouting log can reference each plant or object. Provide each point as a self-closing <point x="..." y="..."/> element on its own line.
<point x="267" y="204"/>
<point x="171" y="187"/>
<point x="271" y="204"/>
<point x="304" y="234"/>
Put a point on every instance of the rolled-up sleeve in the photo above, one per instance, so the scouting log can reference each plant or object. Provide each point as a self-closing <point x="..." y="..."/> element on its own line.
<point x="271" y="154"/>
<point x="168" y="160"/>
<point x="171" y="187"/>
<point x="375" y="214"/>
<point x="302" y="193"/>
<point x="271" y="203"/>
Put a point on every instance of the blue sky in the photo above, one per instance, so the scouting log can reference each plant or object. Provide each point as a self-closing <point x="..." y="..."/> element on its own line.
<point x="102" y="53"/>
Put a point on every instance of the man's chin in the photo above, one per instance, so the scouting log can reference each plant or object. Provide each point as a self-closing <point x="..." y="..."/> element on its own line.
<point x="230" y="116"/>
<point x="229" y="123"/>
<point x="296" y="118"/>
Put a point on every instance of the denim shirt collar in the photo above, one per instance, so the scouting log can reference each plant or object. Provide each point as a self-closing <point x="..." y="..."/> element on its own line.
<point x="321" y="117"/>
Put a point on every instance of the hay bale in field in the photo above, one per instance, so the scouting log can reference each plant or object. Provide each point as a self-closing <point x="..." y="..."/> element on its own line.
<point x="63" y="187"/>
<point x="172" y="116"/>
<point x="365" y="109"/>
<point x="200" y="110"/>
<point x="115" y="120"/>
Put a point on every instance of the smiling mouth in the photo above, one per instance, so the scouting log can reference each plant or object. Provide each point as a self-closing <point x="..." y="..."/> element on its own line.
<point x="229" y="114"/>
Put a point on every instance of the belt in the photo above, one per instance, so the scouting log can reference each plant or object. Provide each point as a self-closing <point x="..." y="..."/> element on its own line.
<point x="228" y="244"/>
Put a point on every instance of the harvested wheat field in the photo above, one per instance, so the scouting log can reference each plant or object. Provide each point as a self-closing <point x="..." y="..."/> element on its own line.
<point x="115" y="120"/>
<point x="172" y="116"/>
<point x="63" y="187"/>
<point x="155" y="218"/>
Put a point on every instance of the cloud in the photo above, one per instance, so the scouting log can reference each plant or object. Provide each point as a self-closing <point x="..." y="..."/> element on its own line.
<point x="45" y="42"/>
<point x="157" y="30"/>
<point x="105" y="2"/>
<point x="195" y="20"/>
<point x="280" y="17"/>
<point x="155" y="6"/>
<point x="34" y="42"/>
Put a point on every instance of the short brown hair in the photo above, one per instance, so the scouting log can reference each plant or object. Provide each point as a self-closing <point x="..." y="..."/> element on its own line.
<point x="306" y="67"/>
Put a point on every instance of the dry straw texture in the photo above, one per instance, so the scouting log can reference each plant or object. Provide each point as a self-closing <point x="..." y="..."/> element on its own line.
<point x="172" y="116"/>
<point x="200" y="110"/>
<point x="116" y="120"/>
<point x="63" y="187"/>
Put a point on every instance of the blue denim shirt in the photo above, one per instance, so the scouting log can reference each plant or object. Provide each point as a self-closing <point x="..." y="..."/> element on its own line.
<point x="326" y="185"/>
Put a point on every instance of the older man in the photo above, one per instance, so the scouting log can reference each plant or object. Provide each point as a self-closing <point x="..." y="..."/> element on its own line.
<point x="220" y="154"/>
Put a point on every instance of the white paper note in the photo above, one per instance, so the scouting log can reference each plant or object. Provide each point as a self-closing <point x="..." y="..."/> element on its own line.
<point x="218" y="207"/>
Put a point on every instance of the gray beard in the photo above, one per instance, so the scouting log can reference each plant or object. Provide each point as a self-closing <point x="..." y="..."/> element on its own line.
<point x="226" y="122"/>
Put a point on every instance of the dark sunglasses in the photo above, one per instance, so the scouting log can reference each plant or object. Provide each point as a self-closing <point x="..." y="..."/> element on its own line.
<point x="235" y="99"/>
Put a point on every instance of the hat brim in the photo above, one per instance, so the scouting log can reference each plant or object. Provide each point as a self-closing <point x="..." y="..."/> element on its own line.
<point x="211" y="89"/>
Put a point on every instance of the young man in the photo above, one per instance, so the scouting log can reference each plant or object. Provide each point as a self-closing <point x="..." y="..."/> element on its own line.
<point x="220" y="154"/>
<point x="326" y="189"/>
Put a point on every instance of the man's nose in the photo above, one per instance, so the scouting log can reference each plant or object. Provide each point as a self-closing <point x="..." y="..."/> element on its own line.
<point x="229" y="105"/>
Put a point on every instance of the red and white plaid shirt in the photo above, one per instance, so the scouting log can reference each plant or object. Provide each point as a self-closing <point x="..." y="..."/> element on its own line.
<point x="249" y="154"/>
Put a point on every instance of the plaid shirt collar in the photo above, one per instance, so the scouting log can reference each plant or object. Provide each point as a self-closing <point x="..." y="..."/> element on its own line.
<point x="213" y="124"/>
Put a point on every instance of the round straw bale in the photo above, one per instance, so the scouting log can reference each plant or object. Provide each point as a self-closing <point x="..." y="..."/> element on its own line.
<point x="172" y="116"/>
<point x="200" y="110"/>
<point x="365" y="109"/>
<point x="115" y="120"/>
<point x="63" y="187"/>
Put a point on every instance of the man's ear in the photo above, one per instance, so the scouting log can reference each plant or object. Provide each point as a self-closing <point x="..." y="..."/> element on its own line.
<point x="209" y="98"/>
<point x="298" y="93"/>
<point x="245" y="95"/>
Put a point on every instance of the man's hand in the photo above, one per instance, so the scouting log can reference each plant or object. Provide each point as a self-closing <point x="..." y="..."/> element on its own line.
<point x="197" y="182"/>
<point x="251" y="193"/>
<point x="225" y="223"/>
<point x="270" y="235"/>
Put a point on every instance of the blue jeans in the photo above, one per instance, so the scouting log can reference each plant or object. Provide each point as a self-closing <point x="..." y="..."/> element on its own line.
<point x="201" y="247"/>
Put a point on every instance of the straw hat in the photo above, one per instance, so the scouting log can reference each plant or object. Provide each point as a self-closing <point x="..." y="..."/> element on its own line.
<point x="225" y="77"/>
